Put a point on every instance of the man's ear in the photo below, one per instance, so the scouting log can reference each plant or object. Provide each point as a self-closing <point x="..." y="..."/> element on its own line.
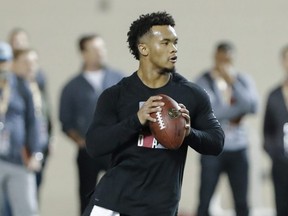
<point x="143" y="49"/>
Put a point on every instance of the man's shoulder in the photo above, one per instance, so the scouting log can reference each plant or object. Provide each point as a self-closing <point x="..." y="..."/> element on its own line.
<point x="72" y="86"/>
<point x="204" y="76"/>
<point x="74" y="80"/>
<point x="244" y="75"/>
<point x="275" y="91"/>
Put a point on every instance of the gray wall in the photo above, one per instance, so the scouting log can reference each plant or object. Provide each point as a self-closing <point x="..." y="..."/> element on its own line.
<point x="256" y="27"/>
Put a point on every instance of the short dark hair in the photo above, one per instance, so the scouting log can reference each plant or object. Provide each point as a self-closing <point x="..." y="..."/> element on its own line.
<point x="284" y="51"/>
<point x="225" y="46"/>
<point x="142" y="25"/>
<point x="85" y="38"/>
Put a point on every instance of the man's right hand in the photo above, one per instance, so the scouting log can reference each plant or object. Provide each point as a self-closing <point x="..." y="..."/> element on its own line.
<point x="153" y="104"/>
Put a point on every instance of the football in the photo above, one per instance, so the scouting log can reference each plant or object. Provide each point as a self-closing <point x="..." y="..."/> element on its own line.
<point x="169" y="128"/>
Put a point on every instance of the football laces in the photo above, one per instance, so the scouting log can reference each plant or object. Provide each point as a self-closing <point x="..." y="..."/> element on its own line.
<point x="160" y="120"/>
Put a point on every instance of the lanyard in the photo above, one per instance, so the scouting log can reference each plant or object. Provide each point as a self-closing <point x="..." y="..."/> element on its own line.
<point x="37" y="98"/>
<point x="4" y="96"/>
<point x="285" y="95"/>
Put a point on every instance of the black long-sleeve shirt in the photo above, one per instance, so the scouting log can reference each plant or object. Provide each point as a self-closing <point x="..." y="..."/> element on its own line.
<point x="145" y="178"/>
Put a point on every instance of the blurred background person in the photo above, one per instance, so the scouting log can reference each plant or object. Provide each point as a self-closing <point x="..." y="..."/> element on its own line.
<point x="34" y="74"/>
<point x="29" y="71"/>
<point x="275" y="133"/>
<point x="20" y="43"/>
<point x="77" y="105"/>
<point x="233" y="96"/>
<point x="20" y="152"/>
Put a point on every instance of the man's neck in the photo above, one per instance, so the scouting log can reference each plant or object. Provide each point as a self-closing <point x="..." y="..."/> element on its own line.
<point x="92" y="68"/>
<point x="153" y="79"/>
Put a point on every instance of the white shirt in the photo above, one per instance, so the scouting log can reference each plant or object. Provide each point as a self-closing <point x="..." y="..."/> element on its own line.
<point x="95" y="78"/>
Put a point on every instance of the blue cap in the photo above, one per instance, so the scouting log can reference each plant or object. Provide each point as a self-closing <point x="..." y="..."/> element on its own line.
<point x="6" y="53"/>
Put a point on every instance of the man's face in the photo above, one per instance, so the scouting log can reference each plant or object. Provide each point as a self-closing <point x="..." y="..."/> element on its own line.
<point x="19" y="41"/>
<point x="95" y="52"/>
<point x="224" y="57"/>
<point x="162" y="48"/>
<point x="26" y="64"/>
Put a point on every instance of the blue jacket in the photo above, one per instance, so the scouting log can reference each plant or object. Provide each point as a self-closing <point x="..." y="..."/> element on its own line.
<point x="246" y="102"/>
<point x="19" y="122"/>
<point x="78" y="101"/>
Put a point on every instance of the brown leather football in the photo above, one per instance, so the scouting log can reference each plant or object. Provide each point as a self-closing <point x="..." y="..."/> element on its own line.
<point x="169" y="129"/>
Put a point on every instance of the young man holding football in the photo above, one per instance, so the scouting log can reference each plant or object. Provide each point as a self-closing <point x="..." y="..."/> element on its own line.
<point x="145" y="179"/>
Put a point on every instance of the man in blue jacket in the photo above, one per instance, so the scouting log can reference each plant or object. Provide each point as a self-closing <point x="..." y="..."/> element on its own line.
<point x="233" y="96"/>
<point x="77" y="104"/>
<point x="20" y="152"/>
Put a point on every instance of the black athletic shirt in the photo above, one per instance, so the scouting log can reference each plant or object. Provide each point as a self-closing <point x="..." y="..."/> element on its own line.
<point x="145" y="178"/>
